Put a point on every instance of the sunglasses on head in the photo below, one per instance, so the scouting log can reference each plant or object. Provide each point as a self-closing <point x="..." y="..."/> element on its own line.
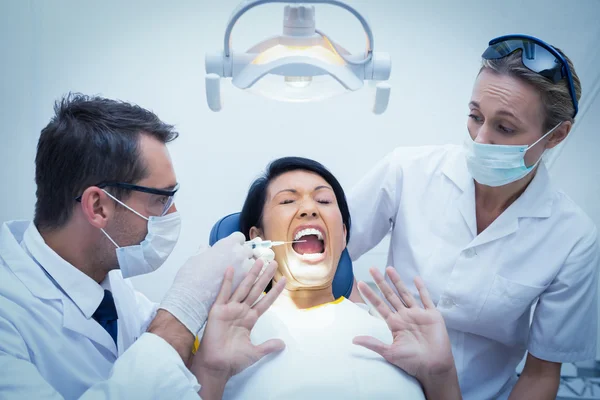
<point x="537" y="56"/>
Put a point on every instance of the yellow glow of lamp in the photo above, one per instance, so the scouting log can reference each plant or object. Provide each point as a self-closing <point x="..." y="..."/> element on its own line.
<point x="301" y="65"/>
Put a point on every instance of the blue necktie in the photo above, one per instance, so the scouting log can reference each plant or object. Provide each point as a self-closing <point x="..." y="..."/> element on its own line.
<point x="106" y="315"/>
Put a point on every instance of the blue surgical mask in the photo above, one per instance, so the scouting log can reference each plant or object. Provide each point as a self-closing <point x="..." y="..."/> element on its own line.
<point x="499" y="165"/>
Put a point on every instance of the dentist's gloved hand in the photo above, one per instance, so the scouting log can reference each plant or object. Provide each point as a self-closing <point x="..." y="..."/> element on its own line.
<point x="265" y="254"/>
<point x="198" y="281"/>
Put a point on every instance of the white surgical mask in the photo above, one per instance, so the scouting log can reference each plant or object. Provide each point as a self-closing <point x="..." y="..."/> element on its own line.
<point x="499" y="165"/>
<point x="148" y="256"/>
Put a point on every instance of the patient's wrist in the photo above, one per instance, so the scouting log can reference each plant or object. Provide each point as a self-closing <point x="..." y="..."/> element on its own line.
<point x="212" y="382"/>
<point x="442" y="386"/>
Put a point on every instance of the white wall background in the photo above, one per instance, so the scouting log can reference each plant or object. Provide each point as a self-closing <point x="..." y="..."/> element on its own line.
<point x="151" y="52"/>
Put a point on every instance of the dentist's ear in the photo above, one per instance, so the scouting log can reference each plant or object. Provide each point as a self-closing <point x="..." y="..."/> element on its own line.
<point x="255" y="232"/>
<point x="96" y="206"/>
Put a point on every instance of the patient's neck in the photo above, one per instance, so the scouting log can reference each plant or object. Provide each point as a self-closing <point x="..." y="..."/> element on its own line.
<point x="305" y="298"/>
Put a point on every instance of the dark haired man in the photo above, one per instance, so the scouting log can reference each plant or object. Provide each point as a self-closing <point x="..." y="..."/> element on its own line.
<point x="70" y="325"/>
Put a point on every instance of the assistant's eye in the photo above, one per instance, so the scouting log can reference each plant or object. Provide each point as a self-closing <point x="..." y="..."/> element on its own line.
<point x="504" y="129"/>
<point x="475" y="118"/>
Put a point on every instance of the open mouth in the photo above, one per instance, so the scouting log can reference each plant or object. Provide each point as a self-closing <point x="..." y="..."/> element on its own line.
<point x="313" y="246"/>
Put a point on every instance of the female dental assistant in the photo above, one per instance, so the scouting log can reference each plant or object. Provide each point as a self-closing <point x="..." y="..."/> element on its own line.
<point x="489" y="234"/>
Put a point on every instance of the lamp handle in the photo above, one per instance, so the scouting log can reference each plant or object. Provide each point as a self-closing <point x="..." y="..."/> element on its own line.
<point x="248" y="5"/>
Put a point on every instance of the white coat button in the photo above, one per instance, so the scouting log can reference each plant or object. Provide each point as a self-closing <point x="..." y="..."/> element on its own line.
<point x="445" y="302"/>
<point x="470" y="253"/>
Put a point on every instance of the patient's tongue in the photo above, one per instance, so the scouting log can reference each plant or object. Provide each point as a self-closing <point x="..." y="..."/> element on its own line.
<point x="312" y="245"/>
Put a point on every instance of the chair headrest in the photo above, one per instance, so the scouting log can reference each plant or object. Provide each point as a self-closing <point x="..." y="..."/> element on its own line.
<point x="344" y="276"/>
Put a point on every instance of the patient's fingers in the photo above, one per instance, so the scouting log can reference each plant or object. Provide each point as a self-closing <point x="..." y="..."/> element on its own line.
<point x="225" y="291"/>
<point x="268" y="347"/>
<point x="247" y="283"/>
<point x="424" y="293"/>
<point x="386" y="289"/>
<point x="266" y="302"/>
<point x="261" y="283"/>
<point x="405" y="294"/>
<point x="380" y="306"/>
<point x="372" y="344"/>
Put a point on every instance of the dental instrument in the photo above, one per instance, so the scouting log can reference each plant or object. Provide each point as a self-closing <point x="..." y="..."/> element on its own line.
<point x="270" y="243"/>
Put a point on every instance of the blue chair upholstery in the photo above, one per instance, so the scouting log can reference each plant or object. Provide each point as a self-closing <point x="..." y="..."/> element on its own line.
<point x="344" y="276"/>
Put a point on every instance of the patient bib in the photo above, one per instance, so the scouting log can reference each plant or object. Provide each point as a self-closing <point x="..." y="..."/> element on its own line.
<point x="320" y="361"/>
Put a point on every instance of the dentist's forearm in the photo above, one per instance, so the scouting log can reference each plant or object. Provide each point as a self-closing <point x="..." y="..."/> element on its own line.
<point x="175" y="333"/>
<point x="442" y="387"/>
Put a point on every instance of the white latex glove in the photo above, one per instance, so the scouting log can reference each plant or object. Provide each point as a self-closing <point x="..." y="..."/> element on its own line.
<point x="198" y="281"/>
<point x="263" y="253"/>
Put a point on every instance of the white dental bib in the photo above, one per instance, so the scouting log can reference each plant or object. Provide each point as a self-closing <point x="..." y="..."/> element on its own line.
<point x="320" y="361"/>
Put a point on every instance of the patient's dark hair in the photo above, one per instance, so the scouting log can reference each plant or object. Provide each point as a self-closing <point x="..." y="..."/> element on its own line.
<point x="252" y="212"/>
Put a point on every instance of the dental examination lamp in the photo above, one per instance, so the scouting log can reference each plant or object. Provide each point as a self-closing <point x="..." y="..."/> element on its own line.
<point x="301" y="65"/>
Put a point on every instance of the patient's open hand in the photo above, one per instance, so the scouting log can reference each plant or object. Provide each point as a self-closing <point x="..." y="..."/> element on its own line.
<point x="226" y="349"/>
<point x="421" y="345"/>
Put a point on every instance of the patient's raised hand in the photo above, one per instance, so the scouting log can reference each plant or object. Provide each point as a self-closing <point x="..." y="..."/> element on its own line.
<point x="421" y="345"/>
<point x="226" y="349"/>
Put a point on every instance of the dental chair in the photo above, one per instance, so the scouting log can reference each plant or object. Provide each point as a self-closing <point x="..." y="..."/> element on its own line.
<point x="344" y="276"/>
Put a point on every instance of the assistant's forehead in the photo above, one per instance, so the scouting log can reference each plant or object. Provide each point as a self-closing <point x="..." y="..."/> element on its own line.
<point x="495" y="91"/>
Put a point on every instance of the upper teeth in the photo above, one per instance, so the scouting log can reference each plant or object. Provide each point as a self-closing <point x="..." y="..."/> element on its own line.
<point x="309" y="231"/>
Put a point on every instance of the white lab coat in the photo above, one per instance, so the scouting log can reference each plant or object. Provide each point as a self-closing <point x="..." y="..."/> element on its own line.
<point x="542" y="250"/>
<point x="51" y="348"/>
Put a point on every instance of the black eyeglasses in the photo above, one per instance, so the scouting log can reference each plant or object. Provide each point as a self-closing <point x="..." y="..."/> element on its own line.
<point x="165" y="201"/>
<point x="536" y="55"/>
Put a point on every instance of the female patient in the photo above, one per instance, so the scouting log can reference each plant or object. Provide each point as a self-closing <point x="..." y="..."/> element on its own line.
<point x="298" y="199"/>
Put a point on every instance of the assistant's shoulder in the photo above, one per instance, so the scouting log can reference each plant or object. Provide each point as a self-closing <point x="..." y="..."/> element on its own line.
<point x="423" y="156"/>
<point x="573" y="221"/>
<point x="423" y="161"/>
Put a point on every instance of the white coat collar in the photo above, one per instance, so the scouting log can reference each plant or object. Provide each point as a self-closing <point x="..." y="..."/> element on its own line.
<point x="43" y="285"/>
<point x="21" y="264"/>
<point x="80" y="288"/>
<point x="536" y="200"/>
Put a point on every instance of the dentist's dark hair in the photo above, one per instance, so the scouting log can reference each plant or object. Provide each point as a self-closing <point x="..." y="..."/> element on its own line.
<point x="90" y="140"/>
<point x="252" y="211"/>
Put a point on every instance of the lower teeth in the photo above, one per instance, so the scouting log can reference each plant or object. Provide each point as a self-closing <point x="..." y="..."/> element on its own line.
<point x="312" y="256"/>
